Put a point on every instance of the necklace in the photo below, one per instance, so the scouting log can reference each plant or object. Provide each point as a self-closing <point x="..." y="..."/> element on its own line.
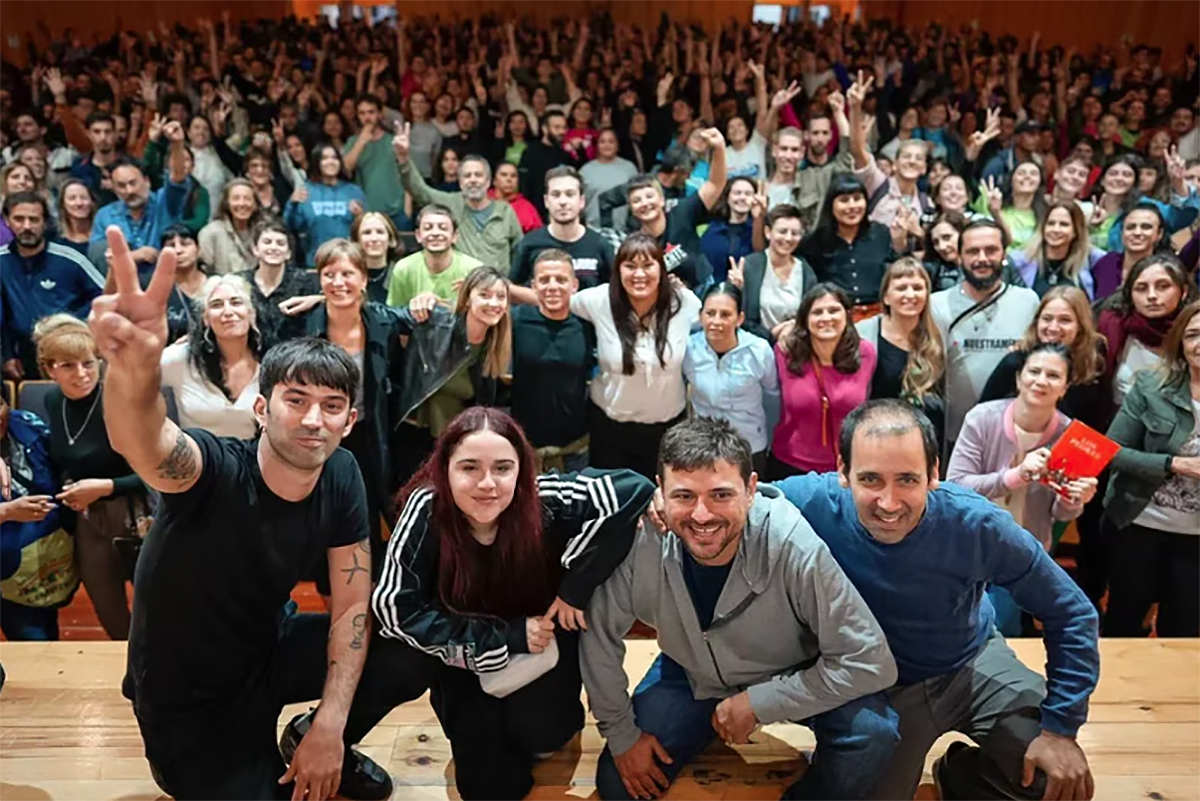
<point x="71" y="440"/>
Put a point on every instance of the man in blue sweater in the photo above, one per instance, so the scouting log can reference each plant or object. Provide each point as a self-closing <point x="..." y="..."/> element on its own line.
<point x="921" y="555"/>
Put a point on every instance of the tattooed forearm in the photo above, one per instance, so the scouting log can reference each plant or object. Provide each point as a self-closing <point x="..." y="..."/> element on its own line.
<point x="181" y="463"/>
<point x="358" y="627"/>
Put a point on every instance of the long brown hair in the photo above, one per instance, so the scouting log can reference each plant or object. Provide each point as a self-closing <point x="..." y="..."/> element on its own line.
<point x="520" y="578"/>
<point x="1174" y="365"/>
<point x="497" y="347"/>
<point x="797" y="347"/>
<point x="926" y="354"/>
<point x="1087" y="354"/>
<point x="626" y="321"/>
<point x="1077" y="252"/>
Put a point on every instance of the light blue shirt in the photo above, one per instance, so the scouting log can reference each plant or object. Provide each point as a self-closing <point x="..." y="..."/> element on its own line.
<point x="742" y="386"/>
<point x="164" y="207"/>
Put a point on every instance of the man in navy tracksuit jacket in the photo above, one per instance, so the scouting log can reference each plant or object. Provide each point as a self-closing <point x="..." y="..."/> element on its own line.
<point x="37" y="278"/>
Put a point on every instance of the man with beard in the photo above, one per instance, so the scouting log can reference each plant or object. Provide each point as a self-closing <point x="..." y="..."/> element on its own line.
<point x="438" y="267"/>
<point x="675" y="230"/>
<point x="921" y="554"/>
<point x="591" y="255"/>
<point x="756" y="622"/>
<point x="542" y="156"/>
<point x="979" y="320"/>
<point x="94" y="168"/>
<point x="37" y="279"/>
<point x="802" y="180"/>
<point x="141" y="213"/>
<point x="553" y="357"/>
<point x="214" y="655"/>
<point x="487" y="228"/>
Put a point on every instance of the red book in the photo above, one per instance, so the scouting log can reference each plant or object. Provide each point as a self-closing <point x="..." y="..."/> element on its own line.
<point x="1081" y="452"/>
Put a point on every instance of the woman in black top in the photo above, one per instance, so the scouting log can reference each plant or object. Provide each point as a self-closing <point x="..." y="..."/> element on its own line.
<point x="846" y="248"/>
<point x="108" y="499"/>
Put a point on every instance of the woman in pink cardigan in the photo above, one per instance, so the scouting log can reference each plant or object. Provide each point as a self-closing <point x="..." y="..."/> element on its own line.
<point x="824" y="373"/>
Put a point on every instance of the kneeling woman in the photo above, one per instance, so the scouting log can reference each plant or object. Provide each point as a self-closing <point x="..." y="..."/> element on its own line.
<point x="489" y="570"/>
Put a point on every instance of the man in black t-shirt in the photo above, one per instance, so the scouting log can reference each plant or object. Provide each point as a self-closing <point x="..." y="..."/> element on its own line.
<point x="553" y="359"/>
<point x="591" y="255"/>
<point x="676" y="230"/>
<point x="213" y="653"/>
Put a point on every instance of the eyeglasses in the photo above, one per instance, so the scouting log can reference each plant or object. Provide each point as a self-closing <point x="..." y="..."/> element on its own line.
<point x="88" y="365"/>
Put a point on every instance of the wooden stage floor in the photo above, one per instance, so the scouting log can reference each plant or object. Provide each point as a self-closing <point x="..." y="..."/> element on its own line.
<point x="66" y="733"/>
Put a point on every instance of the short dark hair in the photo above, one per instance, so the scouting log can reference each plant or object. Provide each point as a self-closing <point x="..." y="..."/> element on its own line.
<point x="552" y="254"/>
<point x="126" y="161"/>
<point x="988" y="224"/>
<point x="1056" y="349"/>
<point x="367" y="97"/>
<point x="641" y="182"/>
<point x="177" y="231"/>
<point x="784" y="211"/>
<point x="99" y="116"/>
<point x="20" y="198"/>
<point x="440" y="210"/>
<point x="728" y="290"/>
<point x="269" y="224"/>
<point x="551" y="113"/>
<point x="309" y="361"/>
<point x="699" y="443"/>
<point x="564" y="171"/>
<point x="888" y="416"/>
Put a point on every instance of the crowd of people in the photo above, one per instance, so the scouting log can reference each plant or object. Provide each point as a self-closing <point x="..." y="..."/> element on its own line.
<point x="318" y="263"/>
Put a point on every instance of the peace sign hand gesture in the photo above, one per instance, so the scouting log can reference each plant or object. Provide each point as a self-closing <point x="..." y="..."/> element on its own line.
<point x="131" y="326"/>
<point x="737" y="272"/>
<point x="400" y="141"/>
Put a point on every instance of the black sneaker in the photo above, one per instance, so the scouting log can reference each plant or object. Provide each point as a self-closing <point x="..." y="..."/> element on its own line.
<point x="363" y="779"/>
<point x="939" y="768"/>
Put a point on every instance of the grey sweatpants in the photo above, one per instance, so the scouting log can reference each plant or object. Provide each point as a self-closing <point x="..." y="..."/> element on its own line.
<point x="995" y="700"/>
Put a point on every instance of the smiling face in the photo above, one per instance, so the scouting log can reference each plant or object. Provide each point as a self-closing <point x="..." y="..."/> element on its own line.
<point x="1043" y="380"/>
<point x="826" y="320"/>
<point x="738" y="132"/>
<point x="945" y="242"/>
<point x="1119" y="179"/>
<point x="489" y="303"/>
<point x="787" y="153"/>
<point x="1191" y="343"/>
<point x="1026" y="178"/>
<point x="483" y="470"/>
<point x="242" y="203"/>
<point x="373" y="236"/>
<point x="741" y="192"/>
<point x="982" y="256"/>
<point x="564" y="199"/>
<point x="555" y="283"/>
<point x="646" y="203"/>
<point x="436" y="232"/>
<point x="1140" y="231"/>
<point x="910" y="161"/>
<point x="784" y="236"/>
<point x="228" y="313"/>
<point x="304" y="424"/>
<point x="850" y="209"/>
<point x="1058" y="230"/>
<point x="32" y="158"/>
<point x="474" y="179"/>
<point x="331" y="165"/>
<point x="1155" y="294"/>
<point x="707" y="509"/>
<point x="19" y="179"/>
<point x="640" y="276"/>
<point x="952" y="193"/>
<point x="1070" y="178"/>
<point x="720" y="318"/>
<point x="1057" y="323"/>
<point x="342" y="283"/>
<point x="889" y="482"/>
<point x="272" y="248"/>
<point x="78" y="202"/>
<point x="906" y="295"/>
<point x="76" y="375"/>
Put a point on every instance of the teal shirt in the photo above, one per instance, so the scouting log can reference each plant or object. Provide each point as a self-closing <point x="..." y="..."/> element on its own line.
<point x="378" y="175"/>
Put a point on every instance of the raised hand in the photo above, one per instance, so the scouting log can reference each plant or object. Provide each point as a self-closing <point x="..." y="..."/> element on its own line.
<point x="130" y="326"/>
<point x="400" y="142"/>
<point x="173" y="130"/>
<point x="995" y="198"/>
<point x="757" y="69"/>
<point x="859" y="90"/>
<point x="156" y="127"/>
<point x="54" y="82"/>
<point x="837" y="103"/>
<point x="301" y="194"/>
<point x="784" y="96"/>
<point x="712" y="137"/>
<point x="737" y="272"/>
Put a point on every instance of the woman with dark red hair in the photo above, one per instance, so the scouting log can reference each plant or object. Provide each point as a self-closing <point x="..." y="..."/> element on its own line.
<point x="489" y="570"/>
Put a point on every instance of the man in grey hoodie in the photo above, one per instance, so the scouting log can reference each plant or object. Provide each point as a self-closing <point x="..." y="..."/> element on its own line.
<point x="757" y="624"/>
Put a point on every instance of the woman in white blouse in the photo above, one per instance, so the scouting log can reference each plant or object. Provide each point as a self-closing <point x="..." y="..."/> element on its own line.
<point x="732" y="372"/>
<point x="213" y="374"/>
<point x="773" y="281"/>
<point x="642" y="323"/>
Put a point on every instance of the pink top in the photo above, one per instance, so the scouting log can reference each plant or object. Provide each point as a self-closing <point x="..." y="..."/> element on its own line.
<point x="799" y="439"/>
<point x="527" y="214"/>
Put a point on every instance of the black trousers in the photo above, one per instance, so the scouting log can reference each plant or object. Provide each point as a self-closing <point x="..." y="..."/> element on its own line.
<point x="495" y="740"/>
<point x="233" y="753"/>
<point x="1091" y="559"/>
<point x="1148" y="566"/>
<point x="614" y="444"/>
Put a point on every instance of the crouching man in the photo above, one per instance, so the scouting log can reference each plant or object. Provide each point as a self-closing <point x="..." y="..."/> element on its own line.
<point x="756" y="622"/>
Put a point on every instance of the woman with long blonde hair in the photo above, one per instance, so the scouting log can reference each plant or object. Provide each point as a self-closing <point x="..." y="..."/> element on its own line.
<point x="1059" y="252"/>
<point x="910" y="357"/>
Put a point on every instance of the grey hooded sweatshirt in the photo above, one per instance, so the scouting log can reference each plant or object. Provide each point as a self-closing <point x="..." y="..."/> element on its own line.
<point x="789" y="626"/>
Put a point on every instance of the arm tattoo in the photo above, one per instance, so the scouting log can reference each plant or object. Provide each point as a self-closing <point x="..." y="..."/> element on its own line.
<point x="180" y="464"/>
<point x="357" y="568"/>
<point x="358" y="626"/>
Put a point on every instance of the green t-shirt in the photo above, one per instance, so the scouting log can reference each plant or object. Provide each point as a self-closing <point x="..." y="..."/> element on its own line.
<point x="451" y="398"/>
<point x="376" y="172"/>
<point x="512" y="153"/>
<point x="411" y="277"/>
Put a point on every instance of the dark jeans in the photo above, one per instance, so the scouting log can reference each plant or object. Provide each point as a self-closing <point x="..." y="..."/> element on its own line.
<point x="1154" y="566"/>
<point x="614" y="444"/>
<point x="20" y="622"/>
<point x="233" y="752"/>
<point x="854" y="742"/>
<point x="1091" y="561"/>
<point x="495" y="740"/>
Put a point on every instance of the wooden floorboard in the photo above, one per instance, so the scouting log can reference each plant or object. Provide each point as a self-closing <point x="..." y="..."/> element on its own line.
<point x="66" y="733"/>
